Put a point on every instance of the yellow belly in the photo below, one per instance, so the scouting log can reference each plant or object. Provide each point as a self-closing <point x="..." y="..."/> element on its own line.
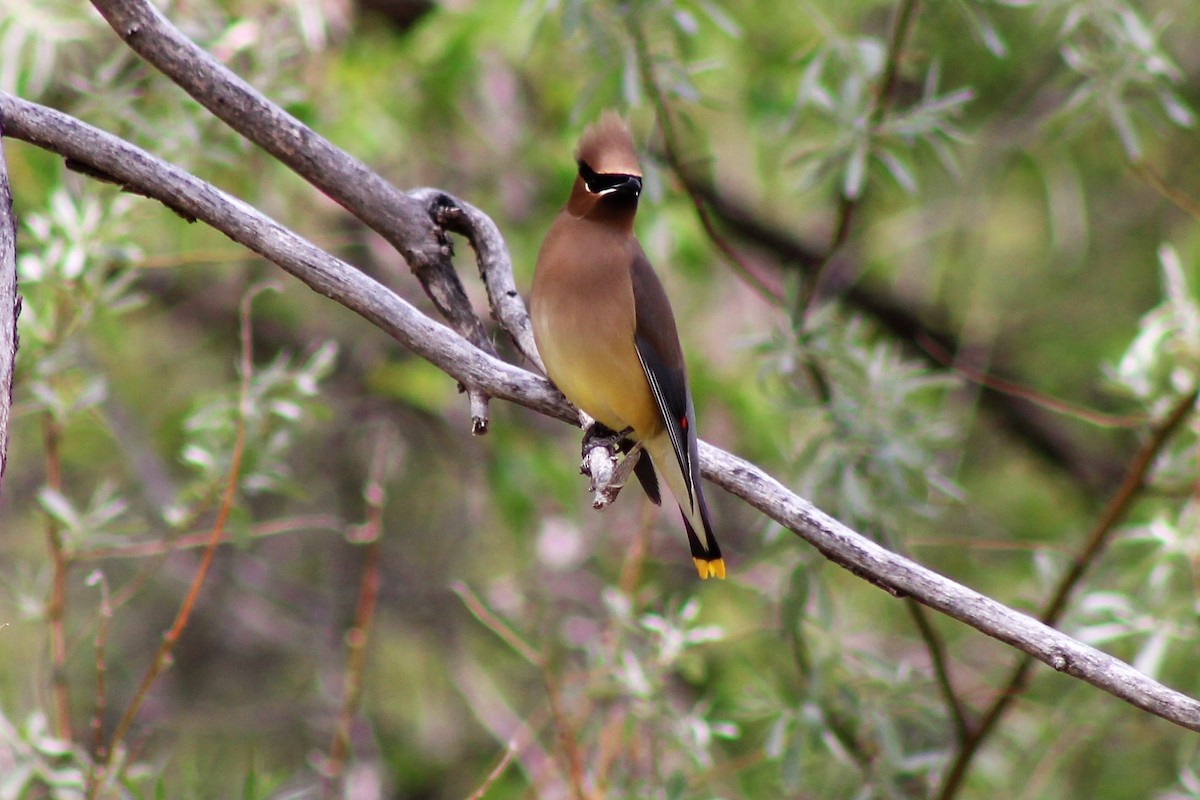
<point x="599" y="372"/>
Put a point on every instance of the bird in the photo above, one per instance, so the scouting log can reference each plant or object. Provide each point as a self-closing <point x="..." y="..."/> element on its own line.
<point x="605" y="331"/>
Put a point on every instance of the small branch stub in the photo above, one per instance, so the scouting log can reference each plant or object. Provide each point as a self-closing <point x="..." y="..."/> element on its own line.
<point x="479" y="412"/>
<point x="473" y="366"/>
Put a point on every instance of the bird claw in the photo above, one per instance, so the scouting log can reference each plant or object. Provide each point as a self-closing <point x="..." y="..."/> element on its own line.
<point x="600" y="435"/>
<point x="600" y="463"/>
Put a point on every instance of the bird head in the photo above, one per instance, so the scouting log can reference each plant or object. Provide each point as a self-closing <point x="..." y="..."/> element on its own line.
<point x="610" y="180"/>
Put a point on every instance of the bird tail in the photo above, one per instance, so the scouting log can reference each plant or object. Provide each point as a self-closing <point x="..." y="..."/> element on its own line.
<point x="708" y="560"/>
<point x="706" y="553"/>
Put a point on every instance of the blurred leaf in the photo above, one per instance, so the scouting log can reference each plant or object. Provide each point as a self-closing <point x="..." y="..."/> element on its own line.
<point x="416" y="382"/>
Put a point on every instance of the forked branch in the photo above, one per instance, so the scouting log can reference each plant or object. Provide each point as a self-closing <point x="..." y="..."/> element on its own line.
<point x="470" y="365"/>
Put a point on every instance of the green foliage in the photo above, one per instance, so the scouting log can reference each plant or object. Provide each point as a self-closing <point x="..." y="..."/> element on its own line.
<point x="278" y="397"/>
<point x="989" y="195"/>
<point x="874" y="431"/>
<point x="1120" y="65"/>
<point x="1145" y="608"/>
<point x="839" y="92"/>
<point x="40" y="37"/>
<point x="635" y="667"/>
<point x="39" y="764"/>
<point x="72" y="269"/>
<point x="1163" y="360"/>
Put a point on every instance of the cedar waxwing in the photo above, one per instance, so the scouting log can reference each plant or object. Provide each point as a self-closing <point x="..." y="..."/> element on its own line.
<point x="605" y="330"/>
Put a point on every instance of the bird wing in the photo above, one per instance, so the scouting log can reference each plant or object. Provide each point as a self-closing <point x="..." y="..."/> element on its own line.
<point x="656" y="340"/>
<point x="657" y="343"/>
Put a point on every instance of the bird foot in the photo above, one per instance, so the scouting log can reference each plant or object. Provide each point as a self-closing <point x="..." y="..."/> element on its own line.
<point x="600" y="463"/>
<point x="600" y="435"/>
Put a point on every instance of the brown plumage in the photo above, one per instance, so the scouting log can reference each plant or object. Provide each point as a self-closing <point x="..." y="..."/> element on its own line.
<point x="605" y="329"/>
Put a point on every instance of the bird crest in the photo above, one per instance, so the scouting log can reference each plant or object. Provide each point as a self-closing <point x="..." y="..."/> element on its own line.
<point x="606" y="147"/>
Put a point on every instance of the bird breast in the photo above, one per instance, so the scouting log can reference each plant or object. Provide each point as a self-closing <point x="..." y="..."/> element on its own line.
<point x="584" y="322"/>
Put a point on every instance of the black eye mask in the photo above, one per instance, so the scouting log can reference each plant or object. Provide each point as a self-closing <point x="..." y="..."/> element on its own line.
<point x="598" y="184"/>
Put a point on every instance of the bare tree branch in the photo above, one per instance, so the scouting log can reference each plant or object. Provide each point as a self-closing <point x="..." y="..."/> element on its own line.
<point x="869" y="560"/>
<point x="495" y="265"/>
<point x="194" y="199"/>
<point x="1116" y="510"/>
<point x="404" y="221"/>
<point x="10" y="306"/>
<point x="339" y="281"/>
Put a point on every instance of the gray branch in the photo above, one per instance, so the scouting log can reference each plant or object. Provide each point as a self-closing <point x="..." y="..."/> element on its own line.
<point x="495" y="265"/>
<point x="405" y="222"/>
<point x="103" y="155"/>
<point x="903" y="577"/>
<point x="10" y="305"/>
<point x="106" y="155"/>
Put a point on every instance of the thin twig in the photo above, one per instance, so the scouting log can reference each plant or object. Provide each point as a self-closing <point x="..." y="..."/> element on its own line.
<point x="460" y="360"/>
<point x="635" y="556"/>
<point x="839" y="237"/>
<point x="100" y="711"/>
<point x="609" y="747"/>
<point x="675" y="161"/>
<point x="160" y="547"/>
<point x="150" y="568"/>
<point x="906" y="13"/>
<point x="520" y="731"/>
<point x="56" y="609"/>
<point x="565" y="735"/>
<point x="1182" y="200"/>
<point x="493" y="623"/>
<point x="171" y="637"/>
<point x="1051" y="761"/>
<point x="941" y="669"/>
<point x="1114" y="512"/>
<point x="364" y="614"/>
<point x="1028" y="393"/>
<point x="881" y="103"/>
<point x="510" y="751"/>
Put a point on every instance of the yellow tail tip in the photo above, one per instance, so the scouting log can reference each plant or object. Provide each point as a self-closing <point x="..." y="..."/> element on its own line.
<point x="708" y="569"/>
